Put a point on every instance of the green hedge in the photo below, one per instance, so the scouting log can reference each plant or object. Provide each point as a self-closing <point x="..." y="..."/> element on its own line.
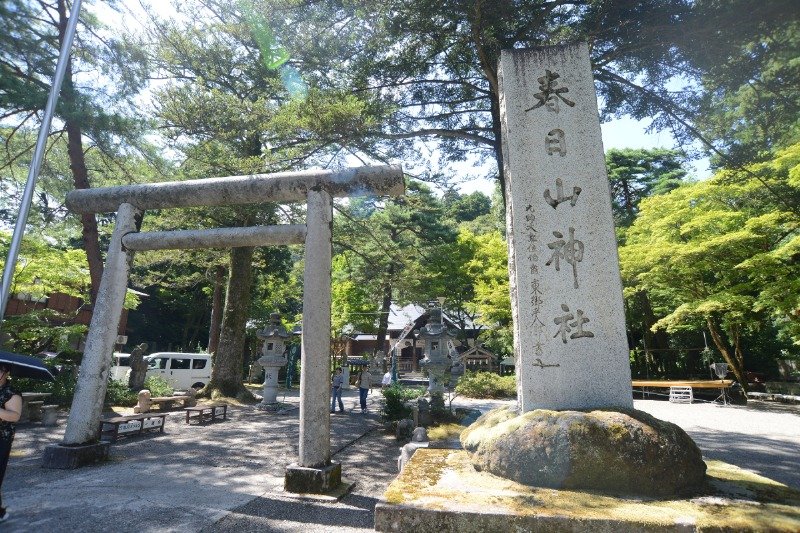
<point x="487" y="385"/>
<point x="396" y="398"/>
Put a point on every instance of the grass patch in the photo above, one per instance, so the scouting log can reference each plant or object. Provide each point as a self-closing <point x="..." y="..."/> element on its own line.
<point x="445" y="431"/>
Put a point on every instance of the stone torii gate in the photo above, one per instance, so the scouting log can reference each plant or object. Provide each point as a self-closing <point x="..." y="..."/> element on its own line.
<point x="314" y="471"/>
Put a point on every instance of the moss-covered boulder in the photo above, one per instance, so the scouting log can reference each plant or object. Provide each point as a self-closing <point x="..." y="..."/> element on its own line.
<point x="627" y="452"/>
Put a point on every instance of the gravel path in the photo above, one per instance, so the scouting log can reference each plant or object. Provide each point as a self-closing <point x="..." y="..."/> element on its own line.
<point x="228" y="476"/>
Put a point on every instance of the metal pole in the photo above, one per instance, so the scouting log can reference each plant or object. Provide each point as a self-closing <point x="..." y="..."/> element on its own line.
<point x="36" y="163"/>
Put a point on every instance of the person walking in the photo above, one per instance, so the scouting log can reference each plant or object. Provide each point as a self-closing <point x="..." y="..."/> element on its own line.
<point x="10" y="410"/>
<point x="387" y="379"/>
<point x="364" y="383"/>
<point x="336" y="390"/>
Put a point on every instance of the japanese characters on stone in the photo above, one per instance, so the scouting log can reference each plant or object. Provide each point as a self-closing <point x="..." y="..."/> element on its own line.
<point x="566" y="247"/>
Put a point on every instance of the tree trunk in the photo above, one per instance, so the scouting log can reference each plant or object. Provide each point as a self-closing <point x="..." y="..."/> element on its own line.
<point x="77" y="163"/>
<point x="658" y="340"/>
<point x="216" y="310"/>
<point x="226" y="375"/>
<point x="736" y="364"/>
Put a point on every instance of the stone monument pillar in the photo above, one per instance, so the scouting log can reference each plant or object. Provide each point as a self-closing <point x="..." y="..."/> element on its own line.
<point x="570" y="345"/>
<point x="272" y="359"/>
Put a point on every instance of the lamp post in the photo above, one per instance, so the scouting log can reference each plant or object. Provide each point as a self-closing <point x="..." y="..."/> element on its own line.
<point x="436" y="362"/>
<point x="274" y="336"/>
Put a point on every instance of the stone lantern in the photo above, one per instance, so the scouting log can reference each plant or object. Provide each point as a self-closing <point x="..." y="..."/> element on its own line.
<point x="436" y="362"/>
<point x="274" y="336"/>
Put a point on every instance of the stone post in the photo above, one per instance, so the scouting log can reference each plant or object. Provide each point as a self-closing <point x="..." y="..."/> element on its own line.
<point x="314" y="471"/>
<point x="90" y="392"/>
<point x="570" y="345"/>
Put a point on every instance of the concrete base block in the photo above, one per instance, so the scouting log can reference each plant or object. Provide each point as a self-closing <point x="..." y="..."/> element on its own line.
<point x="71" y="457"/>
<point x="439" y="490"/>
<point x="306" y="480"/>
<point x="49" y="415"/>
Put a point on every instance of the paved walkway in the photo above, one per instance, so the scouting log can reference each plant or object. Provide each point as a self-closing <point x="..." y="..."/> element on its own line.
<point x="228" y="476"/>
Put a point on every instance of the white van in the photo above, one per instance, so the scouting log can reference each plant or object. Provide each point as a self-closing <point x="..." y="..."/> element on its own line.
<point x="120" y="366"/>
<point x="181" y="370"/>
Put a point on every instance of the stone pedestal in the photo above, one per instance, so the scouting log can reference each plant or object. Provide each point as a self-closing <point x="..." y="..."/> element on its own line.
<point x="439" y="490"/>
<point x="271" y="364"/>
<point x="65" y="457"/>
<point x="302" y="479"/>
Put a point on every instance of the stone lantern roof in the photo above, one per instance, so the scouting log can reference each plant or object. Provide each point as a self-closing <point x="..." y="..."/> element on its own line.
<point x="273" y="329"/>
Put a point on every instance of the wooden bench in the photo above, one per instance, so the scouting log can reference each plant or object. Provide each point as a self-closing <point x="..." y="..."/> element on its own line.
<point x="113" y="428"/>
<point x="204" y="413"/>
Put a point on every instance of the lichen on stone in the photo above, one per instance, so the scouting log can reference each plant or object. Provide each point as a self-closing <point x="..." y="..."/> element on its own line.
<point x="616" y="451"/>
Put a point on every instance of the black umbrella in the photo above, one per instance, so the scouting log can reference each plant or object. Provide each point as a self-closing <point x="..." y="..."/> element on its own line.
<point x="25" y="366"/>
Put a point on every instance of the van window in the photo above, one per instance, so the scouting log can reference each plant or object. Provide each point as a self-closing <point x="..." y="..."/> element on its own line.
<point x="123" y="361"/>
<point x="158" y="362"/>
<point x="180" y="364"/>
<point x="198" y="363"/>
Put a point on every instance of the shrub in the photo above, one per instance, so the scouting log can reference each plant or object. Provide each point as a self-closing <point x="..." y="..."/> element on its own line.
<point x="396" y="397"/>
<point x="62" y="389"/>
<point x="118" y="393"/>
<point x="158" y="386"/>
<point x="487" y="385"/>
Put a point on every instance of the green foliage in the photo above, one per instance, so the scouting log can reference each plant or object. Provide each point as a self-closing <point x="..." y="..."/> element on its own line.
<point x="41" y="330"/>
<point x="119" y="394"/>
<point x="489" y="269"/>
<point x="638" y="173"/>
<point x="388" y="245"/>
<point x="351" y="305"/>
<point x="43" y="269"/>
<point x="487" y="385"/>
<point x="466" y="207"/>
<point x="721" y="254"/>
<point x="396" y="397"/>
<point x="158" y="386"/>
<point x="62" y="389"/>
<point x="750" y="76"/>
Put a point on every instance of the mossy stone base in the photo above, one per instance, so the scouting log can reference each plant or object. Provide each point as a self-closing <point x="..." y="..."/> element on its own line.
<point x="439" y="490"/>
<point x="622" y="452"/>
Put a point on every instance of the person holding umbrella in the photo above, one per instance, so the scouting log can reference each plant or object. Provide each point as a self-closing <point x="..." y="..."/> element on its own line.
<point x="24" y="366"/>
<point x="10" y="409"/>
